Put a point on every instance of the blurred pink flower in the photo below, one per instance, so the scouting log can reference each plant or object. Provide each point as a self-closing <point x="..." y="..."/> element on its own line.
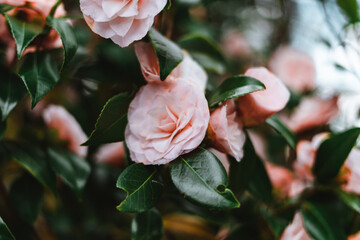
<point x="294" y="68"/>
<point x="297" y="187"/>
<point x="68" y="128"/>
<point x="13" y="2"/>
<point x="256" y="107"/>
<point x="306" y="153"/>
<point x="235" y="45"/>
<point x="281" y="178"/>
<point x="223" y="159"/>
<point x="296" y="230"/>
<point x="225" y="130"/>
<point x="355" y="236"/>
<point x="166" y="119"/>
<point x="312" y="112"/>
<point x="188" y="69"/>
<point x="8" y="41"/>
<point x="123" y="21"/>
<point x="112" y="153"/>
<point x="352" y="172"/>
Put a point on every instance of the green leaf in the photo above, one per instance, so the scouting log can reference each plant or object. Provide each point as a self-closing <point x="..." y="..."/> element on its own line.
<point x="168" y="53"/>
<point x="351" y="9"/>
<point x="5" y="233"/>
<point x="234" y="87"/>
<point x="203" y="179"/>
<point x="286" y="133"/>
<point x="26" y="196"/>
<point x="147" y="226"/>
<point x="12" y="90"/>
<point x="63" y="28"/>
<point x="332" y="154"/>
<point x="350" y="199"/>
<point x="142" y="186"/>
<point x="40" y="74"/>
<point x="34" y="160"/>
<point x="5" y="8"/>
<point x="205" y="51"/>
<point x="73" y="169"/>
<point x="111" y="124"/>
<point x="2" y="129"/>
<point x="24" y="33"/>
<point x="319" y="224"/>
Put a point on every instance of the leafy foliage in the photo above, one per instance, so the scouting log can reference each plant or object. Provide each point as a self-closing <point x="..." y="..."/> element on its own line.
<point x="147" y="226"/>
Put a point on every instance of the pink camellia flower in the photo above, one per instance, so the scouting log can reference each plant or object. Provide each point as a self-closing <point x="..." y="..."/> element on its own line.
<point x="294" y="68"/>
<point x="256" y="107"/>
<point x="306" y="153"/>
<point x="166" y="119"/>
<point x="352" y="172"/>
<point x="280" y="177"/>
<point x="112" y="153"/>
<point x="312" y="112"/>
<point x="296" y="230"/>
<point x="223" y="159"/>
<point x="225" y="130"/>
<point x="235" y="45"/>
<point x="68" y="128"/>
<point x="187" y="69"/>
<point x="124" y="21"/>
<point x="355" y="236"/>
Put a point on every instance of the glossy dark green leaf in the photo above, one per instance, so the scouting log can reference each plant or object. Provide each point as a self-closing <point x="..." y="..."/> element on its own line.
<point x="234" y="87"/>
<point x="12" y="90"/>
<point x="319" y="224"/>
<point x="350" y="199"/>
<point x="40" y="74"/>
<point x="73" y="169"/>
<point x="111" y="124"/>
<point x="5" y="233"/>
<point x="24" y="33"/>
<point x="34" y="160"/>
<point x="142" y="186"/>
<point x="147" y="226"/>
<point x="5" y="8"/>
<point x="333" y="152"/>
<point x="168" y="53"/>
<point x="2" y="129"/>
<point x="26" y="196"/>
<point x="286" y="133"/>
<point x="63" y="28"/>
<point x="351" y="9"/>
<point x="202" y="178"/>
<point x="205" y="51"/>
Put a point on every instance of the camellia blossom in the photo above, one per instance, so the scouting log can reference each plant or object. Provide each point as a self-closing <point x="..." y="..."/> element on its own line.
<point x="235" y="45"/>
<point x="256" y="107"/>
<point x="112" y="153"/>
<point x="294" y="68"/>
<point x="312" y="112"/>
<point x="188" y="69"/>
<point x="68" y="128"/>
<point x="124" y="21"/>
<point x="166" y="119"/>
<point x="225" y="130"/>
<point x="296" y="230"/>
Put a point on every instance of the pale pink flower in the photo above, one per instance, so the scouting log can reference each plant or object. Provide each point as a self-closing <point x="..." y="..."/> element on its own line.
<point x="68" y="128"/>
<point x="13" y="2"/>
<point x="306" y="153"/>
<point x="256" y="107"/>
<point x="312" y="112"/>
<point x="294" y="68"/>
<point x="188" y="69"/>
<point x="124" y="21"/>
<point x="259" y="144"/>
<point x="281" y="178"/>
<point x="355" y="236"/>
<point x="166" y="119"/>
<point x="223" y="159"/>
<point x="235" y="45"/>
<point x="353" y="168"/>
<point x="297" y="187"/>
<point x="112" y="153"/>
<point x="225" y="130"/>
<point x="296" y="230"/>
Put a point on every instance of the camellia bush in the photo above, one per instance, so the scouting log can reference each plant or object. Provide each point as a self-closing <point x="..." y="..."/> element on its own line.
<point x="159" y="119"/>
